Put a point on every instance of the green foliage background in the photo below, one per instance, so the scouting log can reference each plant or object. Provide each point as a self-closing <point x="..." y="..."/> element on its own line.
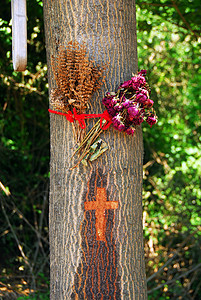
<point x="168" y="47"/>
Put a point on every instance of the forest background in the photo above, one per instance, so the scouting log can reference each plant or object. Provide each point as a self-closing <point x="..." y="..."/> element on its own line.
<point x="169" y="33"/>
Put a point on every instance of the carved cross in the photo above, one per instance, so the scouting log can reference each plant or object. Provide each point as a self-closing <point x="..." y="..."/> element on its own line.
<point x="19" y="34"/>
<point x="100" y="205"/>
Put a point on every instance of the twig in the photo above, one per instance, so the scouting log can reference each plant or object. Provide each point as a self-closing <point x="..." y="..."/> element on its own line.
<point x="21" y="85"/>
<point x="175" y="278"/>
<point x="46" y="260"/>
<point x="90" y="138"/>
<point x="182" y="17"/>
<point x="39" y="244"/>
<point x="173" y="5"/>
<point x="149" y="163"/>
<point x="174" y="256"/>
<point x="21" y="216"/>
<point x="7" y="192"/>
<point x="197" y="290"/>
<point x="19" y="246"/>
<point x="86" y="138"/>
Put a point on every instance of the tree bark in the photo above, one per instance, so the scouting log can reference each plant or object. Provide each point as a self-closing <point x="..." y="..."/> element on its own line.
<point x="95" y="214"/>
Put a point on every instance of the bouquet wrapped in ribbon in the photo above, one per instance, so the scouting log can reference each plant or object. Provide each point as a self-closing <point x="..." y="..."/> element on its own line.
<point x="126" y="108"/>
<point x="77" y="79"/>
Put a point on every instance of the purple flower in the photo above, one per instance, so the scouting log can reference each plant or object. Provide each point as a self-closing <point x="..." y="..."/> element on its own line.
<point x="151" y="120"/>
<point x="142" y="96"/>
<point x="133" y="112"/>
<point x="126" y="103"/>
<point x="114" y="101"/>
<point x="138" y="121"/>
<point x="126" y="84"/>
<point x="138" y="82"/>
<point x="130" y="130"/>
<point x="130" y="105"/>
<point x="116" y="120"/>
<point x="142" y="72"/>
<point x="107" y="101"/>
<point x="118" y="107"/>
<point x="117" y="123"/>
<point x="111" y="111"/>
<point x="149" y="103"/>
<point x="121" y="127"/>
<point x="144" y="92"/>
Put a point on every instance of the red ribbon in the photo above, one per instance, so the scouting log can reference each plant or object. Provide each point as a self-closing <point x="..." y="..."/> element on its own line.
<point x="71" y="117"/>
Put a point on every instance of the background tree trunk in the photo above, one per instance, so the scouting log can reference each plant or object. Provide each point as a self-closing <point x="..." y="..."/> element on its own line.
<point x="84" y="265"/>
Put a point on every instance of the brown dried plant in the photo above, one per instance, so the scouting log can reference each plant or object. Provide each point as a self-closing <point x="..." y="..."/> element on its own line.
<point x="77" y="78"/>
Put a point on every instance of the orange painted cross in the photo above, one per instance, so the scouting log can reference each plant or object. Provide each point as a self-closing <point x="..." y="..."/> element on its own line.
<point x="100" y="205"/>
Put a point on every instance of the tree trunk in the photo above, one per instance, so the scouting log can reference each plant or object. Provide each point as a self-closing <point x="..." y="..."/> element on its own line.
<point x="96" y="236"/>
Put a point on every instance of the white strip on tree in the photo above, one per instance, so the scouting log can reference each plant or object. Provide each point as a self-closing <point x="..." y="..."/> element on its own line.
<point x="19" y="35"/>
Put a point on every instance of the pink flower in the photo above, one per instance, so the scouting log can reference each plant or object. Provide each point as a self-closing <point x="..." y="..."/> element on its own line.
<point x="118" y="107"/>
<point x="141" y="97"/>
<point x="126" y="103"/>
<point x="107" y="101"/>
<point x="138" y="121"/>
<point x="121" y="127"/>
<point x="130" y="105"/>
<point x="117" y="123"/>
<point x="126" y="84"/>
<point x="111" y="111"/>
<point x="149" y="103"/>
<point x="142" y="72"/>
<point x="130" y="130"/>
<point x="114" y="101"/>
<point x="133" y="112"/>
<point x="138" y="82"/>
<point x="151" y="120"/>
<point x="144" y="92"/>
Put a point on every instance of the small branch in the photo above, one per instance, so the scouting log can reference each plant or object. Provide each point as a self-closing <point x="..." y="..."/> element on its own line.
<point x="174" y="256"/>
<point x="46" y="260"/>
<point x="175" y="278"/>
<point x="182" y="17"/>
<point x="7" y="192"/>
<point x="19" y="245"/>
<point x="148" y="164"/>
<point x="197" y="290"/>
<point x="161" y="268"/>
<point x="173" y="5"/>
<point x="39" y="235"/>
<point x="21" y="85"/>
<point x="21" y="216"/>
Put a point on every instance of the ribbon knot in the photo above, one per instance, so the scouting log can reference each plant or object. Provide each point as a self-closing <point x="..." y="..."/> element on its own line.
<point x="69" y="116"/>
<point x="80" y="118"/>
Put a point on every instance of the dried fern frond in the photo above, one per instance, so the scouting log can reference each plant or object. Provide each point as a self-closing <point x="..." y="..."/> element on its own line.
<point x="77" y="78"/>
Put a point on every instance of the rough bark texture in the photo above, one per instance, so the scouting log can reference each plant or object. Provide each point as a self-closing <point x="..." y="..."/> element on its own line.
<point x="96" y="250"/>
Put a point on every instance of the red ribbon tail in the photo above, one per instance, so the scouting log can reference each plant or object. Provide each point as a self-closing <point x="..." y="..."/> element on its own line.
<point x="82" y="124"/>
